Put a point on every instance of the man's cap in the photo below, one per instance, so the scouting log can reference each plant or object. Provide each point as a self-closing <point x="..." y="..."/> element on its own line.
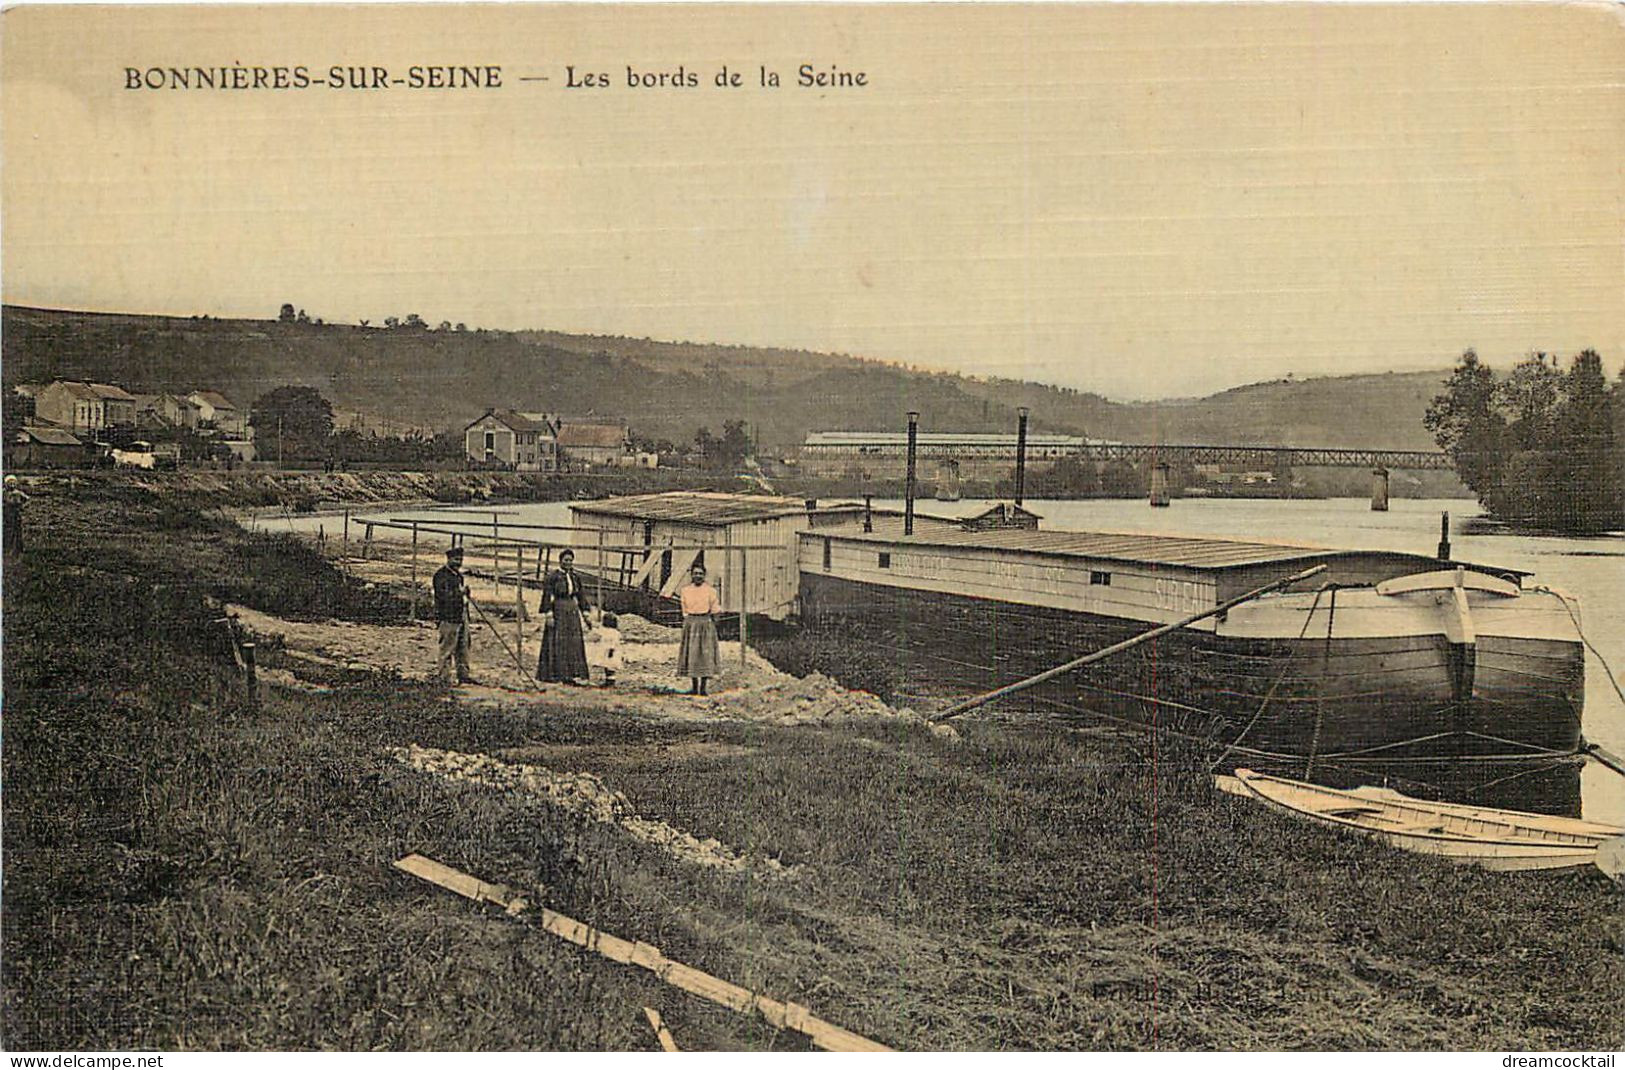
<point x="455" y="551"/>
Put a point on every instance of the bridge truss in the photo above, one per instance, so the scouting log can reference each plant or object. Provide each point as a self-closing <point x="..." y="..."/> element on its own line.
<point x="1266" y="457"/>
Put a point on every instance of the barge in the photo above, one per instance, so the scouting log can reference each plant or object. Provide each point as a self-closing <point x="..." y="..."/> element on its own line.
<point x="1443" y="677"/>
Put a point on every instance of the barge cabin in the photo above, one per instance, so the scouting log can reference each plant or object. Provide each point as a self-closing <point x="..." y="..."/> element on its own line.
<point x="746" y="542"/>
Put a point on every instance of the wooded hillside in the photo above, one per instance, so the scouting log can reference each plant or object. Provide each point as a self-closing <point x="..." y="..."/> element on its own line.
<point x="442" y="378"/>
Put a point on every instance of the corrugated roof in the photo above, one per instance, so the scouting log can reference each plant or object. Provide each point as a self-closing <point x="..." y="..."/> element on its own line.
<point x="1169" y="550"/>
<point x="694" y="507"/>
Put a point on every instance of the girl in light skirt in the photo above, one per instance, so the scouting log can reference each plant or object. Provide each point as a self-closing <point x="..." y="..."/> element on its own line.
<point x="697" y="657"/>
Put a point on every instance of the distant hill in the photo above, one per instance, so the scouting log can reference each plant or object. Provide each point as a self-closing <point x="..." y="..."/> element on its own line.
<point x="669" y="389"/>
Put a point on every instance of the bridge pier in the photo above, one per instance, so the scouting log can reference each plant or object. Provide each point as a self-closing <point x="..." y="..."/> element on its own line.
<point x="1159" y="485"/>
<point x="1379" y="490"/>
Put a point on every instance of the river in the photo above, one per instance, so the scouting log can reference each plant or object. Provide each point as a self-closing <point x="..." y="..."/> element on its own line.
<point x="1587" y="567"/>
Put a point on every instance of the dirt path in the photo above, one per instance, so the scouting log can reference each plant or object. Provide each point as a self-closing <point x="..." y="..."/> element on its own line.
<point x="645" y="684"/>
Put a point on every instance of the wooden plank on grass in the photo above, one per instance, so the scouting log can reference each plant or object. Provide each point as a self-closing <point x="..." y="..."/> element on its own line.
<point x="791" y="1016"/>
<point x="661" y="1032"/>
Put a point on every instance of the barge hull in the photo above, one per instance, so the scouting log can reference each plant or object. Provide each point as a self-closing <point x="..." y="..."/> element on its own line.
<point x="1354" y="710"/>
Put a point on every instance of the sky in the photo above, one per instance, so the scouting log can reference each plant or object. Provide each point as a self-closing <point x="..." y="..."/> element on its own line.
<point x="1141" y="201"/>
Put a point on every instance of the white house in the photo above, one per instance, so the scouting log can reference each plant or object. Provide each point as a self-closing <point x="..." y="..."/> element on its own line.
<point x="526" y="442"/>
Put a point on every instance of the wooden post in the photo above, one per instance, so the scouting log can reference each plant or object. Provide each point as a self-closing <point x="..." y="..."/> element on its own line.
<point x="346" y="535"/>
<point x="366" y="544"/>
<point x="496" y="557"/>
<point x="727" y="577"/>
<point x="249" y="675"/>
<point x="601" y="533"/>
<point x="414" y="565"/>
<point x="744" y="614"/>
<point x="1159" y="484"/>
<point x="519" y="607"/>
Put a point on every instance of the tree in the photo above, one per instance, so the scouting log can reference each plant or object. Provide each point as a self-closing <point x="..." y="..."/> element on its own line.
<point x="1584" y="474"/>
<point x="705" y="444"/>
<point x="287" y="314"/>
<point x="1540" y="447"/>
<point x="736" y="445"/>
<point x="292" y="422"/>
<point x="1529" y="397"/>
<point x="1466" y="425"/>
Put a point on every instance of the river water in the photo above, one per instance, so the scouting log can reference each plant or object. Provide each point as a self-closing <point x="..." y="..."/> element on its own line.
<point x="1590" y="568"/>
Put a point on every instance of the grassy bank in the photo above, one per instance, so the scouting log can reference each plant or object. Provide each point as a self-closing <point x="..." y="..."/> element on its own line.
<point x="184" y="871"/>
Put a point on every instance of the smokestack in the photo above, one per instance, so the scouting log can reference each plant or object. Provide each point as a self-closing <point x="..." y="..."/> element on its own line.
<point x="1021" y="452"/>
<point x="868" y="512"/>
<point x="908" y="485"/>
<point x="1444" y="536"/>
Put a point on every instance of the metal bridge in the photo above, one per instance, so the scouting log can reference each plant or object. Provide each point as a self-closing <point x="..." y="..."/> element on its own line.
<point x="1264" y="457"/>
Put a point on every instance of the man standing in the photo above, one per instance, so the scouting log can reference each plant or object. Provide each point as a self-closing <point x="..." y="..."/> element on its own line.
<point x="451" y="612"/>
<point x="11" y="512"/>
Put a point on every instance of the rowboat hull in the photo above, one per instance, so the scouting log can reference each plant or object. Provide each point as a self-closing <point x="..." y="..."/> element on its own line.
<point x="1494" y="839"/>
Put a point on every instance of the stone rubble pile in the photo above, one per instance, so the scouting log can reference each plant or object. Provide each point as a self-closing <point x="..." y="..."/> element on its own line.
<point x="587" y="795"/>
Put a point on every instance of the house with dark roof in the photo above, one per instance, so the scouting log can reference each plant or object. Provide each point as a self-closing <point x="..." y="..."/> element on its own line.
<point x="47" y="447"/>
<point x="85" y="407"/>
<point x="589" y="443"/>
<point x="523" y="441"/>
<point x="215" y="410"/>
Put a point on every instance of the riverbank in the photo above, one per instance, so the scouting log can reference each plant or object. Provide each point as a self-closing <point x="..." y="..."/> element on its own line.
<point x="184" y="870"/>
<point x="301" y="491"/>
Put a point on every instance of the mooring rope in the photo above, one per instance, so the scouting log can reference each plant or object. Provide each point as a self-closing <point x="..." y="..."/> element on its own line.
<point x="1285" y="668"/>
<point x="1320" y="696"/>
<point x="1561" y="597"/>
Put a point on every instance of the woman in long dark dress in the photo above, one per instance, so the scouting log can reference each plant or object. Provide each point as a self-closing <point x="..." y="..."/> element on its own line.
<point x="564" y="646"/>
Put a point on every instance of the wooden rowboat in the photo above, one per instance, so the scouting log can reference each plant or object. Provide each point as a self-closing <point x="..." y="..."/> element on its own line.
<point x="1503" y="840"/>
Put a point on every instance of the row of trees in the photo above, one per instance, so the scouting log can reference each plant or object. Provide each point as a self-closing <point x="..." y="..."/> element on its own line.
<point x="1541" y="445"/>
<point x="412" y="321"/>
<point x="728" y="452"/>
<point x="295" y="423"/>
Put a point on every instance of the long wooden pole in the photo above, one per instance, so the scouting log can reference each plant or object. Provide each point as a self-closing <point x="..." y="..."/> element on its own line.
<point x="777" y="1013"/>
<point x="1117" y="648"/>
